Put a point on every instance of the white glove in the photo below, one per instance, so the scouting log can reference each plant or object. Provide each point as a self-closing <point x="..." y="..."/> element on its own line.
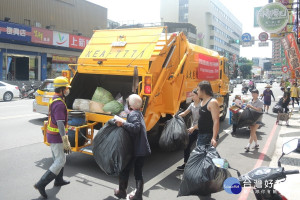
<point x="66" y="143"/>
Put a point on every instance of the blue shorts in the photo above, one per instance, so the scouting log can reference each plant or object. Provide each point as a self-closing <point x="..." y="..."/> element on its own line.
<point x="204" y="139"/>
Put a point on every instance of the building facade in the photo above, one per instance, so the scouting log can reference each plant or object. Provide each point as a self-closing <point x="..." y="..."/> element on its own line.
<point x="39" y="38"/>
<point x="216" y="25"/>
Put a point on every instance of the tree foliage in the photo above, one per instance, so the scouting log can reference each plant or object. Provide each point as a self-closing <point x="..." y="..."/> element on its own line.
<point x="245" y="67"/>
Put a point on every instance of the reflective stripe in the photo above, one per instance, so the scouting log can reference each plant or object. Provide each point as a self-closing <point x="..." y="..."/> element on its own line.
<point x="54" y="130"/>
<point x="61" y="85"/>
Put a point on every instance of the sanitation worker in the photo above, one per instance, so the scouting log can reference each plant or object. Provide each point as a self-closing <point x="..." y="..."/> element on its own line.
<point x="56" y="136"/>
<point x="136" y="127"/>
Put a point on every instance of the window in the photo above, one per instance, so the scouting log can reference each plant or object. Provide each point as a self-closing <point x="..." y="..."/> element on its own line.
<point x="47" y="86"/>
<point x="27" y="22"/>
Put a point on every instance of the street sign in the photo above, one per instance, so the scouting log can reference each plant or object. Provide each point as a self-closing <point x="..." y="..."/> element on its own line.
<point x="263" y="44"/>
<point x="247" y="44"/>
<point x="263" y="36"/>
<point x="246" y="37"/>
<point x="285" y="69"/>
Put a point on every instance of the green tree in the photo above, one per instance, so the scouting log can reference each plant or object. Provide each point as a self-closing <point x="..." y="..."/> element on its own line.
<point x="245" y="67"/>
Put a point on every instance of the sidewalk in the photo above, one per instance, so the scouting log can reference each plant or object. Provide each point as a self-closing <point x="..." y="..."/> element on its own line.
<point x="289" y="188"/>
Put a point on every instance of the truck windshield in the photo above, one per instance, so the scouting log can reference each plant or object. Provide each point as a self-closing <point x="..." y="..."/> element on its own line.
<point x="47" y="87"/>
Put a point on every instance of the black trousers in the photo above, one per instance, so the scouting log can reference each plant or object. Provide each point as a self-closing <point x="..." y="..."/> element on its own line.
<point x="138" y="163"/>
<point x="192" y="138"/>
<point x="293" y="100"/>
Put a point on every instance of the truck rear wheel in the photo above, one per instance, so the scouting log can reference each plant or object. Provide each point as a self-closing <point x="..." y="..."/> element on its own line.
<point x="225" y="108"/>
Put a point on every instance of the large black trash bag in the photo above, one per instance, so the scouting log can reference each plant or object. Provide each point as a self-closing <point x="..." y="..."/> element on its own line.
<point x="277" y="109"/>
<point x="248" y="117"/>
<point x="278" y="106"/>
<point x="175" y="135"/>
<point x="201" y="177"/>
<point x="112" y="149"/>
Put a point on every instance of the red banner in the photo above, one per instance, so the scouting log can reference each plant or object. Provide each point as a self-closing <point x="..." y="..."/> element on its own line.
<point x="208" y="68"/>
<point x="291" y="51"/>
<point x="78" y="42"/>
<point x="41" y="36"/>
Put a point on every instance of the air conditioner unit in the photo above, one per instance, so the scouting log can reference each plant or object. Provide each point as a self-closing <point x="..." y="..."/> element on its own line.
<point x="38" y="24"/>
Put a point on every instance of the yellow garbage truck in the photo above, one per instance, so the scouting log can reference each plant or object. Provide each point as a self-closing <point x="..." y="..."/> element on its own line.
<point x="163" y="68"/>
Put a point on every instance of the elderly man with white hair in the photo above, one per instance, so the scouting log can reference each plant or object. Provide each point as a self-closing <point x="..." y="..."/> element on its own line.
<point x="135" y="126"/>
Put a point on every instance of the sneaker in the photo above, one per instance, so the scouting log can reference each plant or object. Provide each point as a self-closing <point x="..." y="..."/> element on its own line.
<point x="247" y="149"/>
<point x="181" y="168"/>
<point x="256" y="147"/>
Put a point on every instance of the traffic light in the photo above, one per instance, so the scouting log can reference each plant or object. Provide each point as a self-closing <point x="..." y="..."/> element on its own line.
<point x="236" y="41"/>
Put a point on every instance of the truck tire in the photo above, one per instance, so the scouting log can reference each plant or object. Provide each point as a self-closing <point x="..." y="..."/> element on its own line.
<point x="225" y="108"/>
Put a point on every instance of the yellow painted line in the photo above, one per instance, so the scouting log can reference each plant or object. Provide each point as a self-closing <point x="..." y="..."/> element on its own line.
<point x="19" y="116"/>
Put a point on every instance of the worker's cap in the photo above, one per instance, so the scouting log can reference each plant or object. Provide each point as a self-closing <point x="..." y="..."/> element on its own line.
<point x="61" y="82"/>
<point x="268" y="86"/>
<point x="255" y="91"/>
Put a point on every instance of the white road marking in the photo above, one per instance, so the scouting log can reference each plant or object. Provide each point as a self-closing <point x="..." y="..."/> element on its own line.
<point x="13" y="106"/>
<point x="89" y="180"/>
<point x="19" y="116"/>
<point x="161" y="176"/>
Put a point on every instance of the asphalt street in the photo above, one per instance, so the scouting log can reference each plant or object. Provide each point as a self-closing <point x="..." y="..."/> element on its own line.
<point x="24" y="159"/>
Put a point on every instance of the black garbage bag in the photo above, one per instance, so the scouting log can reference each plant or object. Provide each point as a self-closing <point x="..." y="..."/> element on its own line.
<point x="248" y="117"/>
<point x="175" y="135"/>
<point x="277" y="109"/>
<point x="112" y="149"/>
<point x="201" y="177"/>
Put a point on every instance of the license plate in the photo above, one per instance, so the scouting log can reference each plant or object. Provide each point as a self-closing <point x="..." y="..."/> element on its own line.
<point x="45" y="99"/>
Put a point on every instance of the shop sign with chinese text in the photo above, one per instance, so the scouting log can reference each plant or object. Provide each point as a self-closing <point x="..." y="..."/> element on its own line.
<point x="78" y="42"/>
<point x="291" y="52"/>
<point x="208" y="68"/>
<point x="41" y="36"/>
<point x="273" y="17"/>
<point x="13" y="31"/>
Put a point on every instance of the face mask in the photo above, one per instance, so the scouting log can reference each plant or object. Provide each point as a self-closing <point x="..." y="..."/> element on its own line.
<point x="67" y="92"/>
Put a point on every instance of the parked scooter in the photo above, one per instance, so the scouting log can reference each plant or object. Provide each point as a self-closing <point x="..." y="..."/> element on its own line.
<point x="27" y="93"/>
<point x="244" y="90"/>
<point x="263" y="179"/>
